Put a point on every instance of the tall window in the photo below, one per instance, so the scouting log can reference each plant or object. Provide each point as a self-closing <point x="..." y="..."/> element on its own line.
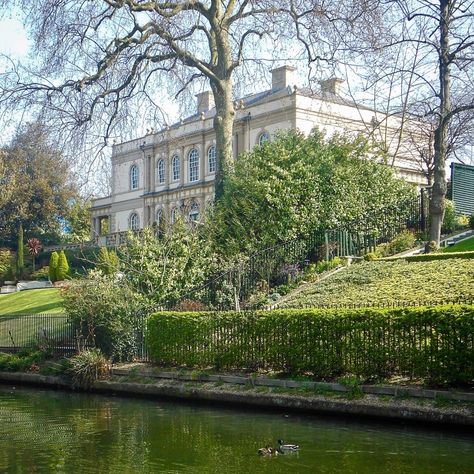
<point x="193" y="165"/>
<point x="176" y="167"/>
<point x="133" y="221"/>
<point x="161" y="171"/>
<point x="211" y="159"/>
<point x="264" y="137"/>
<point x="133" y="177"/>
<point x="174" y="215"/>
<point x="194" y="212"/>
<point x="159" y="217"/>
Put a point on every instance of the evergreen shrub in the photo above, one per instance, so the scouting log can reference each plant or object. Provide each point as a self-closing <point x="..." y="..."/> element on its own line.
<point x="434" y="343"/>
<point x="63" y="267"/>
<point x="53" y="266"/>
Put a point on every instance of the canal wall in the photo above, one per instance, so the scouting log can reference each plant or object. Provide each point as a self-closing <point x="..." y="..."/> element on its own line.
<point x="374" y="406"/>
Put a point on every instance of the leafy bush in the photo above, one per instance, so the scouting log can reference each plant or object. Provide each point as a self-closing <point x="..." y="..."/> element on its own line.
<point x="462" y="221"/>
<point x="450" y="218"/>
<point x="6" y="259"/>
<point x="433" y="343"/>
<point x="23" y="361"/>
<point x="107" y="261"/>
<point x="405" y="240"/>
<point x="87" y="367"/>
<point x="107" y="311"/>
<point x="41" y="275"/>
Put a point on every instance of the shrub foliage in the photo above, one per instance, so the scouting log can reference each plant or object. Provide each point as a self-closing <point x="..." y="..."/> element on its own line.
<point x="435" y="343"/>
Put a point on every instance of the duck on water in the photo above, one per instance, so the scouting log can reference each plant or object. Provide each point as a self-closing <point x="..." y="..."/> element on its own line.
<point x="282" y="449"/>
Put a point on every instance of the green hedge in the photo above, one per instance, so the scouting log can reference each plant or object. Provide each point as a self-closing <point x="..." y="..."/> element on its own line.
<point x="428" y="257"/>
<point x="434" y="343"/>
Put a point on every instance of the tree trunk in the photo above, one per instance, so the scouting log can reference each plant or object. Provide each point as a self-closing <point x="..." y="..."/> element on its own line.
<point x="437" y="201"/>
<point x="223" y="126"/>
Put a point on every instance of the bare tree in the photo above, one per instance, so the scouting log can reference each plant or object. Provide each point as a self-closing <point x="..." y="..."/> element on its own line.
<point x="441" y="36"/>
<point x="99" y="63"/>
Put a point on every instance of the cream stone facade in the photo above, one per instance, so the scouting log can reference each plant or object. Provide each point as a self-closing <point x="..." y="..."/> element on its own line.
<point x="172" y="171"/>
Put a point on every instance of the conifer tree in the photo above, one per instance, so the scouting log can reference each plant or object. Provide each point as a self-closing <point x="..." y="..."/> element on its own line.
<point x="53" y="266"/>
<point x="63" y="266"/>
<point x="20" y="262"/>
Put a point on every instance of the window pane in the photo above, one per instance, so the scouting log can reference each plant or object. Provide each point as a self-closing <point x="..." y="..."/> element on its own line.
<point x="161" y="171"/>
<point x="193" y="165"/>
<point x="211" y="157"/>
<point x="134" y="177"/>
<point x="176" y="165"/>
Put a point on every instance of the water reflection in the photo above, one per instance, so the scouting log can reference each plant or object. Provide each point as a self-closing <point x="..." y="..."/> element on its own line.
<point x="59" y="432"/>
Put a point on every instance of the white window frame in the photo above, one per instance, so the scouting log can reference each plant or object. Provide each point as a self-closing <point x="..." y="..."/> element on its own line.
<point x="175" y="168"/>
<point x="174" y="215"/>
<point x="159" y="216"/>
<point x="161" y="171"/>
<point x="212" y="159"/>
<point x="263" y="137"/>
<point x="193" y="165"/>
<point x="134" y="221"/>
<point x="193" y="215"/>
<point x="134" y="177"/>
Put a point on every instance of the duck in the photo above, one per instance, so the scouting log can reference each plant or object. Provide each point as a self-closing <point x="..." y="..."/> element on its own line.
<point x="286" y="448"/>
<point x="268" y="451"/>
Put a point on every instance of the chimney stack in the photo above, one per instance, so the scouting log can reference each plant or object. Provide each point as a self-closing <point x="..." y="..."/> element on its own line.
<point x="331" y="86"/>
<point x="205" y="101"/>
<point x="282" y="77"/>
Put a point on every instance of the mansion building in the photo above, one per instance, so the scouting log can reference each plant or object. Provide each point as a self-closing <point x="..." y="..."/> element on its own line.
<point x="171" y="172"/>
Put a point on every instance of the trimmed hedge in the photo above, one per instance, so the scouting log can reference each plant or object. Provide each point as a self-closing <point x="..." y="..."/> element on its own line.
<point x="434" y="343"/>
<point x="428" y="257"/>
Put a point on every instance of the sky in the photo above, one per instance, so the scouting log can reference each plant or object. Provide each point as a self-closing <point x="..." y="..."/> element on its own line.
<point x="13" y="38"/>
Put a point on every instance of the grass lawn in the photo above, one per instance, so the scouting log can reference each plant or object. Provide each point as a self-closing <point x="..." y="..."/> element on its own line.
<point x="32" y="302"/>
<point x="387" y="282"/>
<point x="463" y="246"/>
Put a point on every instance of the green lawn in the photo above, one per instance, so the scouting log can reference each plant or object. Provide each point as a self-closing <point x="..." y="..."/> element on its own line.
<point x="32" y="302"/>
<point x="388" y="282"/>
<point x="463" y="246"/>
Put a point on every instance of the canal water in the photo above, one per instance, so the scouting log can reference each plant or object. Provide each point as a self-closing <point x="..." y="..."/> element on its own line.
<point x="45" y="431"/>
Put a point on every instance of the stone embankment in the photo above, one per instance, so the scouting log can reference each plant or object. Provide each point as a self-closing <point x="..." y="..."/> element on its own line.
<point x="375" y="401"/>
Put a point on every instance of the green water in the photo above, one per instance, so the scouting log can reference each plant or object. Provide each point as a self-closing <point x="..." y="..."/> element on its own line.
<point x="60" y="432"/>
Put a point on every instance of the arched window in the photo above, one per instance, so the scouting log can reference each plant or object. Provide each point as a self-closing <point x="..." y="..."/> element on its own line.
<point x="194" y="212"/>
<point x="176" y="167"/>
<point x="133" y="221"/>
<point x="264" y="137"/>
<point x="133" y="177"/>
<point x="159" y="217"/>
<point x="193" y="165"/>
<point x="161" y="171"/>
<point x="211" y="159"/>
<point x="174" y="215"/>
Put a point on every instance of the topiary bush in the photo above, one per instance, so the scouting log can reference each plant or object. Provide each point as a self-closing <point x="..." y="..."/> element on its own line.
<point x="53" y="266"/>
<point x="63" y="267"/>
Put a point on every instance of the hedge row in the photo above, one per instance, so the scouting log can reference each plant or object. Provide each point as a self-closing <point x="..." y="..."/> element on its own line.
<point x="434" y="343"/>
<point x="428" y="257"/>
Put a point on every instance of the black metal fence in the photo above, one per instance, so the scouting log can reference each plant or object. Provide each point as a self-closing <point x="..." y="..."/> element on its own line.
<point x="235" y="287"/>
<point x="53" y="331"/>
